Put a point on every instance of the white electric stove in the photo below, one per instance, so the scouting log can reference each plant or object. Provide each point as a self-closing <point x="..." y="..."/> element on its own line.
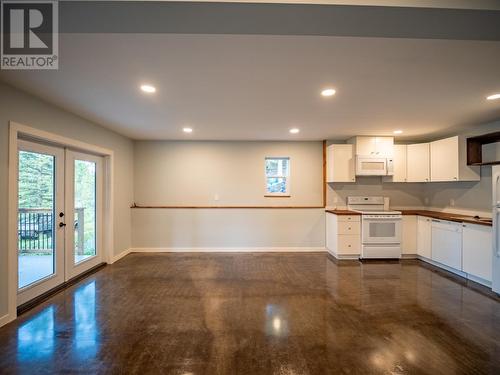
<point x="380" y="227"/>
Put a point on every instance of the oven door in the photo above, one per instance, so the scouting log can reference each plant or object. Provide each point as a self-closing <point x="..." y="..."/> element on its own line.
<point x="381" y="230"/>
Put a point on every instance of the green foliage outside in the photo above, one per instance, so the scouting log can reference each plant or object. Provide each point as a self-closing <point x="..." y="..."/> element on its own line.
<point x="36" y="191"/>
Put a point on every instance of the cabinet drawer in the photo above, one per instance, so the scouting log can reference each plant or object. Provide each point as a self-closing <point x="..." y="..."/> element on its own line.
<point x="350" y="218"/>
<point x="349" y="244"/>
<point x="345" y="227"/>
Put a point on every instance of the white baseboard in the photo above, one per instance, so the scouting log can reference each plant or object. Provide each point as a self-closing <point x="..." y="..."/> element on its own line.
<point x="226" y="249"/>
<point x="479" y="280"/>
<point x="344" y="256"/>
<point x="121" y="255"/>
<point x="6" y="319"/>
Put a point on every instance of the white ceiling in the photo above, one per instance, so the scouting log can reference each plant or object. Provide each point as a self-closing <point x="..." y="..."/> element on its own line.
<point x="256" y="87"/>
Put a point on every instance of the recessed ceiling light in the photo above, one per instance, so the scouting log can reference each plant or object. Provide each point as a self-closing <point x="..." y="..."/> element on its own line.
<point x="493" y="97"/>
<point x="187" y="130"/>
<point x="328" y="92"/>
<point x="294" y="130"/>
<point x="398" y="132"/>
<point x="148" y="88"/>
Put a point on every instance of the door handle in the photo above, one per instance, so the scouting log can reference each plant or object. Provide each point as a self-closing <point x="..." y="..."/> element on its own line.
<point x="61" y="225"/>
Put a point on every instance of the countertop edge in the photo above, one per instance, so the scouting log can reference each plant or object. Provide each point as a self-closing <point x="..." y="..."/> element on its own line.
<point x="343" y="212"/>
<point x="432" y="214"/>
<point x="445" y="216"/>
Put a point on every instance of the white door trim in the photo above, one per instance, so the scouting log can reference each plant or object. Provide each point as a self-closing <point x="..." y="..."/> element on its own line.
<point x="16" y="131"/>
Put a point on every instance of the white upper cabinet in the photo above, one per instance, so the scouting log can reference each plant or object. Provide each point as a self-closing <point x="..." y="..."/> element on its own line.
<point x="384" y="146"/>
<point x="418" y="162"/>
<point x="399" y="165"/>
<point x="448" y="161"/>
<point x="340" y="166"/>
<point x="374" y="146"/>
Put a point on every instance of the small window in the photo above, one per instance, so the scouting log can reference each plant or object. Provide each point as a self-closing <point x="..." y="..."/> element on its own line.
<point x="277" y="176"/>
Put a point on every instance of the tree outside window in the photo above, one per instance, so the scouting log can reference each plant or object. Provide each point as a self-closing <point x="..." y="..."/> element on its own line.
<point x="278" y="176"/>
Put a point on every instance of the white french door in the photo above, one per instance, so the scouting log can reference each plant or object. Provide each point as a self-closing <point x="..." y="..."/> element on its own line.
<point x="83" y="212"/>
<point x="59" y="216"/>
<point x="40" y="204"/>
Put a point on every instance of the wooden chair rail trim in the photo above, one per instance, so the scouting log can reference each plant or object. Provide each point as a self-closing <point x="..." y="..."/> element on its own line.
<point x="233" y="207"/>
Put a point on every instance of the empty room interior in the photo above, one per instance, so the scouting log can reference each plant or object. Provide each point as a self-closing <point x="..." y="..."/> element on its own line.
<point x="270" y="187"/>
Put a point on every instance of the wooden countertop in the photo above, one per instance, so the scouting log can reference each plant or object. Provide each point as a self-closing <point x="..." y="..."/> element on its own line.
<point x="432" y="214"/>
<point x="343" y="212"/>
<point x="446" y="216"/>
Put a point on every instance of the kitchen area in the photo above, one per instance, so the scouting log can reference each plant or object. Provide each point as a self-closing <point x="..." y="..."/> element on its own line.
<point x="382" y="203"/>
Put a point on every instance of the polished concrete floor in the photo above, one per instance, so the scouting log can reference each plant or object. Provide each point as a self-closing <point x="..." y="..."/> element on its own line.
<point x="190" y="314"/>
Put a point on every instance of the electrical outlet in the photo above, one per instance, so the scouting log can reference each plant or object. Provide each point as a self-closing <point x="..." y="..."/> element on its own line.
<point x="216" y="197"/>
<point x="426" y="201"/>
<point x="452" y="202"/>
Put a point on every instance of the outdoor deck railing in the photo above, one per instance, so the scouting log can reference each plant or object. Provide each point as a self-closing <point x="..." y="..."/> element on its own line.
<point x="35" y="230"/>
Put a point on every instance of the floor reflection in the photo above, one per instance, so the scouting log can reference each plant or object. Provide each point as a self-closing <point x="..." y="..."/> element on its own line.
<point x="36" y="338"/>
<point x="86" y="339"/>
<point x="231" y="314"/>
<point x="276" y="321"/>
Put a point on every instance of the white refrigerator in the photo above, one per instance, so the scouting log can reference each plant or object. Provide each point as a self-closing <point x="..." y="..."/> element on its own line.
<point x="495" y="174"/>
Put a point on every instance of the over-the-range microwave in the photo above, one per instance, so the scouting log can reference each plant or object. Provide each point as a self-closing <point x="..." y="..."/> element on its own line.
<point x="374" y="166"/>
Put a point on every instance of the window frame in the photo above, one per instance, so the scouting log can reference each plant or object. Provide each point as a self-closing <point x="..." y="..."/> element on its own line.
<point x="287" y="178"/>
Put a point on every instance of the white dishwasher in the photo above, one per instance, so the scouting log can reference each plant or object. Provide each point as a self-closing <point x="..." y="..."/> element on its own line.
<point x="447" y="243"/>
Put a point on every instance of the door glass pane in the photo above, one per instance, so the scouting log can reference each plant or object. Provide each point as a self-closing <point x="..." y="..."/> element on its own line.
<point x="85" y="210"/>
<point x="35" y="225"/>
<point x="382" y="230"/>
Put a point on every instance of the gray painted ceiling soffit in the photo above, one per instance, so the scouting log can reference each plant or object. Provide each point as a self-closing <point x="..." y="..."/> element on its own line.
<point x="278" y="19"/>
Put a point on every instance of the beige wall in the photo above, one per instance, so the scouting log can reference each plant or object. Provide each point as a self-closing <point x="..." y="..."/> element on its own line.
<point x="28" y="110"/>
<point x="192" y="173"/>
<point x="235" y="172"/>
<point x="401" y="194"/>
<point x="221" y="229"/>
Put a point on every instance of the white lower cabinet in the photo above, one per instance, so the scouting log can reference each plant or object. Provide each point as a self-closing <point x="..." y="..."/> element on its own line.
<point x="409" y="235"/>
<point x="477" y="251"/>
<point x="447" y="243"/>
<point x="343" y="235"/>
<point x="465" y="248"/>
<point x="424" y="235"/>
